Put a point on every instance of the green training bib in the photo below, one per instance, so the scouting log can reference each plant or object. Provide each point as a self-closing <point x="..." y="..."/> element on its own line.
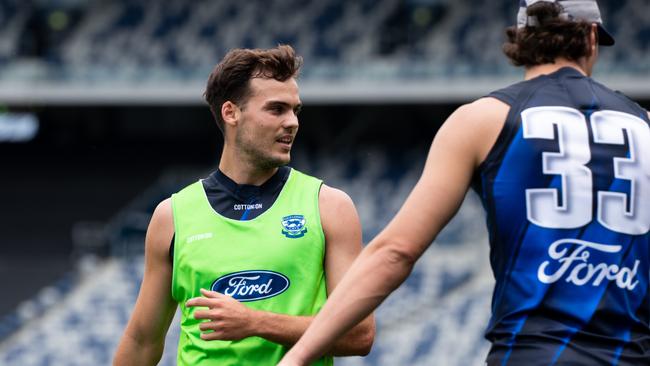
<point x="273" y="262"/>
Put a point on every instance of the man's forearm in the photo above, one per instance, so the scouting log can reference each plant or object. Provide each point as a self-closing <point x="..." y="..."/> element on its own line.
<point x="132" y="353"/>
<point x="368" y="282"/>
<point x="287" y="329"/>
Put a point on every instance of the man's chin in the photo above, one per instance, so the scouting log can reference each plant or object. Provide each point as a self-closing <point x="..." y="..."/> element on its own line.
<point x="284" y="162"/>
<point x="275" y="162"/>
<point x="283" y="159"/>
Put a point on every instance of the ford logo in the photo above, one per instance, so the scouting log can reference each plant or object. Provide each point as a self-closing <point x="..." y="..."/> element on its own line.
<point x="251" y="285"/>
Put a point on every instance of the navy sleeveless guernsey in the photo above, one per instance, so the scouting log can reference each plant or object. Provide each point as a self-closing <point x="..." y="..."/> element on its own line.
<point x="566" y="188"/>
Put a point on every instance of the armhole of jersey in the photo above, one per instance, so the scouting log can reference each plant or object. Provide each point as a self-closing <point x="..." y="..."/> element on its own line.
<point x="174" y="243"/>
<point x="321" y="232"/>
<point x="510" y="125"/>
<point x="502" y="96"/>
<point x="171" y="249"/>
<point x="506" y="130"/>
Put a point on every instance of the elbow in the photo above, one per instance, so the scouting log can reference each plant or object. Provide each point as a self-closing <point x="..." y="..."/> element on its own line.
<point x="361" y="339"/>
<point x="135" y="349"/>
<point x="366" y="340"/>
<point x="398" y="254"/>
<point x="362" y="349"/>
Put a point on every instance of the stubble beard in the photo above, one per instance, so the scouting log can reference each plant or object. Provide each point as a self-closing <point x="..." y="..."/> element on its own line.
<point x="256" y="156"/>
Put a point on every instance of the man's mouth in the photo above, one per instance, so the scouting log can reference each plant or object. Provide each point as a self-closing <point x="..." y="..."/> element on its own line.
<point x="285" y="140"/>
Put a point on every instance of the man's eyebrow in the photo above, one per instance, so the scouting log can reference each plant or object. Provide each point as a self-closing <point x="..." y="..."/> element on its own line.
<point x="279" y="103"/>
<point x="276" y="103"/>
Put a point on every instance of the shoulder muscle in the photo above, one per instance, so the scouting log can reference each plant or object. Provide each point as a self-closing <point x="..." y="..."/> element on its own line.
<point x="342" y="233"/>
<point x="474" y="127"/>
<point x="336" y="208"/>
<point x="161" y="229"/>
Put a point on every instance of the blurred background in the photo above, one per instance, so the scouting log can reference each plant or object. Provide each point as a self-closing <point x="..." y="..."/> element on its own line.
<point x="101" y="117"/>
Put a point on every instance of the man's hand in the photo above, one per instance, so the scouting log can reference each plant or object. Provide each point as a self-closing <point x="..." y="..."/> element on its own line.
<point x="229" y="320"/>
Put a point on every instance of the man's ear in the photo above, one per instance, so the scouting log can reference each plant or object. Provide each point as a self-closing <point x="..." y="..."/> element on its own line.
<point x="230" y="113"/>
<point x="593" y="39"/>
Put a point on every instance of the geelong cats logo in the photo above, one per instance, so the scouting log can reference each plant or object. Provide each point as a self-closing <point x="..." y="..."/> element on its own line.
<point x="293" y="226"/>
<point x="251" y="285"/>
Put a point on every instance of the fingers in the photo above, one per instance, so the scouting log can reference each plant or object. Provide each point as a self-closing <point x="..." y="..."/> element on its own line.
<point x="212" y="331"/>
<point x="205" y="326"/>
<point x="199" y="301"/>
<point x="211" y="294"/>
<point x="213" y="336"/>
<point x="204" y="314"/>
<point x="204" y="301"/>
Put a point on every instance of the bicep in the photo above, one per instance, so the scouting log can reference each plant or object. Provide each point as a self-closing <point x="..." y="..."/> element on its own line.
<point x="460" y="145"/>
<point x="155" y="307"/>
<point x="343" y="240"/>
<point x="435" y="198"/>
<point x="342" y="231"/>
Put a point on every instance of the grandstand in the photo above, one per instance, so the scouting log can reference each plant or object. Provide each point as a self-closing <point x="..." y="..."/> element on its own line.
<point x="115" y="88"/>
<point x="155" y="51"/>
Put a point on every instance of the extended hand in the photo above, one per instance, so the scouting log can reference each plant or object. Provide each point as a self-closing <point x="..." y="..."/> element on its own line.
<point x="228" y="318"/>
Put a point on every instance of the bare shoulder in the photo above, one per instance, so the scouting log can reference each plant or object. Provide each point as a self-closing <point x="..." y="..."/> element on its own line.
<point x="342" y="229"/>
<point x="333" y="196"/>
<point x="473" y="128"/>
<point x="478" y="117"/>
<point x="482" y="110"/>
<point x="162" y="215"/>
<point x="161" y="228"/>
<point x="336" y="209"/>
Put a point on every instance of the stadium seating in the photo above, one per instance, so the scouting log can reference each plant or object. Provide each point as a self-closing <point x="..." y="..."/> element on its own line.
<point x="156" y="41"/>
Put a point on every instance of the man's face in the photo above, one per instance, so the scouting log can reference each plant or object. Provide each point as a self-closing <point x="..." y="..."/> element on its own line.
<point x="269" y="122"/>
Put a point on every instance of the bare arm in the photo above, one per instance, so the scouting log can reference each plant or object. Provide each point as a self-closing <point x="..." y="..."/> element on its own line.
<point x="459" y="147"/>
<point x="143" y="339"/>
<point x="231" y="320"/>
<point x="343" y="244"/>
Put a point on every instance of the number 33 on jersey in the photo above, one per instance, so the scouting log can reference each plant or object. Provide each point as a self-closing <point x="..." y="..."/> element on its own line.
<point x="571" y="206"/>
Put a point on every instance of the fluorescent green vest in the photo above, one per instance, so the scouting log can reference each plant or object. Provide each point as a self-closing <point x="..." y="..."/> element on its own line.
<point x="273" y="262"/>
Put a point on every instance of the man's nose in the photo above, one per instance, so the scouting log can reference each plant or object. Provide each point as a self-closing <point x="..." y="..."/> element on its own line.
<point x="291" y="121"/>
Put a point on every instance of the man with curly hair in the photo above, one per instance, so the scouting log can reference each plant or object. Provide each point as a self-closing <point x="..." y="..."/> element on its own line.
<point x="562" y="165"/>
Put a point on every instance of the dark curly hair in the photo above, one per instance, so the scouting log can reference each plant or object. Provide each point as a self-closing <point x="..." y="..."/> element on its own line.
<point x="551" y="38"/>
<point x="229" y="80"/>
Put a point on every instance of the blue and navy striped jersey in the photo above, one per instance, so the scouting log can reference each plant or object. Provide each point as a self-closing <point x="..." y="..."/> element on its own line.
<point x="566" y="188"/>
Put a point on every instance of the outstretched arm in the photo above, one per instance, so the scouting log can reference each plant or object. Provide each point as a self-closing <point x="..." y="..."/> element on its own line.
<point x="460" y="145"/>
<point x="228" y="319"/>
<point x="144" y="337"/>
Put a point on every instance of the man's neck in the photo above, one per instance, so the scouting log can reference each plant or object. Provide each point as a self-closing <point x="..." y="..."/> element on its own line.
<point x="242" y="171"/>
<point x="545" y="69"/>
